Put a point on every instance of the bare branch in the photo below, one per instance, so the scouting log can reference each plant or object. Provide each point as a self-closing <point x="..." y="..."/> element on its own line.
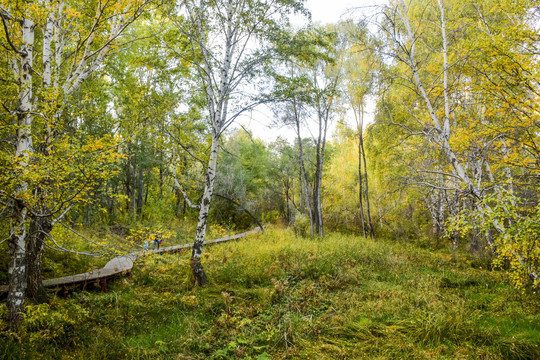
<point x="4" y="14"/>
<point x="243" y="208"/>
<point x="62" y="215"/>
<point x="78" y="234"/>
<point x="63" y="249"/>
<point x="179" y="186"/>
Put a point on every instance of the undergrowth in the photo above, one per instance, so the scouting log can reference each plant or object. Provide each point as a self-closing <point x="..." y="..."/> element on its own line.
<point x="274" y="296"/>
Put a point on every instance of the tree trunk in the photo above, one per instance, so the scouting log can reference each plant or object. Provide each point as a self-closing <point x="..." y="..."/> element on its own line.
<point x="317" y="192"/>
<point x="36" y="245"/>
<point x="139" y="180"/>
<point x="321" y="143"/>
<point x="303" y="174"/>
<point x="133" y="203"/>
<point x="178" y="199"/>
<point x="361" y="182"/>
<point x="17" y="240"/>
<point x="196" y="267"/>
<point x="41" y="225"/>
<point x="300" y="187"/>
<point x="366" y="193"/>
<point x="160" y="193"/>
<point x="287" y="199"/>
<point x="17" y="268"/>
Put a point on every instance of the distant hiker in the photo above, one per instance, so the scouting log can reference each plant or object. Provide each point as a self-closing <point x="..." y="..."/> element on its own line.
<point x="145" y="245"/>
<point x="157" y="239"/>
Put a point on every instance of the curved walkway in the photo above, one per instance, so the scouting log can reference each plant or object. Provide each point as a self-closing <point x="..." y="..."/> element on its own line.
<point x="120" y="265"/>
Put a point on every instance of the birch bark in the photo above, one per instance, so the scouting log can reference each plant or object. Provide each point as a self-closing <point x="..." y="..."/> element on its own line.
<point x="196" y="266"/>
<point x="24" y="148"/>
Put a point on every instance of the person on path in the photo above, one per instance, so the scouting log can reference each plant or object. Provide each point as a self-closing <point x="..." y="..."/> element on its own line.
<point x="157" y="239"/>
<point x="145" y="246"/>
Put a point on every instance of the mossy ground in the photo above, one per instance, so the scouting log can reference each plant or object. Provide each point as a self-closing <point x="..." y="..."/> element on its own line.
<point x="274" y="296"/>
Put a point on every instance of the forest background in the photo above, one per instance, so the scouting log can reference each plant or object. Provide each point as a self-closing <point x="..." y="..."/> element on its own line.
<point x="117" y="122"/>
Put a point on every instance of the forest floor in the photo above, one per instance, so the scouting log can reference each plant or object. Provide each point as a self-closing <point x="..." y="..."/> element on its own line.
<point x="276" y="296"/>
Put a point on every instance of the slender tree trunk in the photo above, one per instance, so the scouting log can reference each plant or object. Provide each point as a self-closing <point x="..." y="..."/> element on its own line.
<point x="366" y="193"/>
<point x="140" y="190"/>
<point x="321" y="144"/>
<point x="287" y="188"/>
<point x="17" y="241"/>
<point x="35" y="290"/>
<point x="316" y="202"/>
<point x="17" y="267"/>
<point x="303" y="174"/>
<point x="133" y="203"/>
<point x="160" y="194"/>
<point x="178" y="199"/>
<point x="40" y="226"/>
<point x="300" y="187"/>
<point x="196" y="266"/>
<point x="361" y="182"/>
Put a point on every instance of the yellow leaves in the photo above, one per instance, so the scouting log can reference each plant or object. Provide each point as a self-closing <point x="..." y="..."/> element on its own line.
<point x="72" y="14"/>
<point x="341" y="180"/>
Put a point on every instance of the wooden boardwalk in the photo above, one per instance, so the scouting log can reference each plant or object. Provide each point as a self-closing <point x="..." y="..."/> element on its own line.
<point x="120" y="266"/>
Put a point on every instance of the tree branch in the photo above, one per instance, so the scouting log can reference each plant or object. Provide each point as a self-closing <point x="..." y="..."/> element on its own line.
<point x="243" y="208"/>
<point x="179" y="186"/>
<point x="5" y="14"/>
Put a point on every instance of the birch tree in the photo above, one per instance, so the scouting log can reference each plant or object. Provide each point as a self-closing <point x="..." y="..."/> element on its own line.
<point x="438" y="65"/>
<point x="326" y="93"/>
<point x="231" y="40"/>
<point x="359" y="81"/>
<point x="22" y="46"/>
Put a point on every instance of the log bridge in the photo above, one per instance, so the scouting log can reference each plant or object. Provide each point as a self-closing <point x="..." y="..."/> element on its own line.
<point x="119" y="266"/>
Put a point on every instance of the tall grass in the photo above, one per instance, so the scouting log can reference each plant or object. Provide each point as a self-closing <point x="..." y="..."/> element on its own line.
<point x="275" y="296"/>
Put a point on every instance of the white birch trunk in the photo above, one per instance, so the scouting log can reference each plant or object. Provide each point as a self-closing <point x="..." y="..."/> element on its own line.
<point x="216" y="95"/>
<point x="196" y="266"/>
<point x="24" y="148"/>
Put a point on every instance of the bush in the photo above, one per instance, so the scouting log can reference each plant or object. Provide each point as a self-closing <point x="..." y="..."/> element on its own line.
<point x="301" y="224"/>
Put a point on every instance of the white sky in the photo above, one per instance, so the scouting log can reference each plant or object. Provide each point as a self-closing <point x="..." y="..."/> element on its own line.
<point x="322" y="11"/>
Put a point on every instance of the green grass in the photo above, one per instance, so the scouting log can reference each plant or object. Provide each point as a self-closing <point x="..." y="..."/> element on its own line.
<point x="275" y="296"/>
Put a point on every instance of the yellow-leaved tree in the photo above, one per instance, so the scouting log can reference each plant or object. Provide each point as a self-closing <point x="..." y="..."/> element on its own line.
<point x="462" y="78"/>
<point x="48" y="163"/>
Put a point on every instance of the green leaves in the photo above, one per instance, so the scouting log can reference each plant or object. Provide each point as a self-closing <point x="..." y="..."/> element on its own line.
<point x="518" y="246"/>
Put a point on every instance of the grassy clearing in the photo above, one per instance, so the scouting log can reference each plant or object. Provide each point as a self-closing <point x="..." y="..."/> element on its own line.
<point x="276" y="296"/>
